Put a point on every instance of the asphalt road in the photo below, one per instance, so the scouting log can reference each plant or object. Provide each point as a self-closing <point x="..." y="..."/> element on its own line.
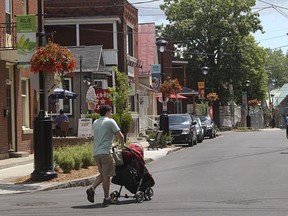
<point x="237" y="174"/>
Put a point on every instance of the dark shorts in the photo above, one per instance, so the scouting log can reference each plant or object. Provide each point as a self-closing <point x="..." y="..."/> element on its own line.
<point x="106" y="164"/>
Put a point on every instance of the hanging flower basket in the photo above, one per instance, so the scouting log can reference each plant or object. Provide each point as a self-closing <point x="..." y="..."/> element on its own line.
<point x="170" y="86"/>
<point x="53" y="58"/>
<point x="211" y="97"/>
<point x="253" y="103"/>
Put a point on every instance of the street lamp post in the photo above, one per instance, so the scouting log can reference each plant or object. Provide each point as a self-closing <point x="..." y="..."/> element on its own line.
<point x="80" y="86"/>
<point x="164" y="120"/>
<point x="205" y="71"/>
<point x="42" y="132"/>
<point x="248" y="117"/>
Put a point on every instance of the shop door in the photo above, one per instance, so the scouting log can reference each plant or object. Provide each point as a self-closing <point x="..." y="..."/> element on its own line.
<point x="8" y="115"/>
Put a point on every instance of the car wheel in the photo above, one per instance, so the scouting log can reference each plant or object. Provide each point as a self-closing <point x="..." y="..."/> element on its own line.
<point x="190" y="143"/>
<point x="200" y="140"/>
<point x="211" y="135"/>
<point x="195" y="139"/>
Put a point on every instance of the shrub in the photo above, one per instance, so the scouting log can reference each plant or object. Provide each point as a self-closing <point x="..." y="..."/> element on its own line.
<point x="94" y="116"/>
<point x="66" y="162"/>
<point x="87" y="157"/>
<point x="82" y="156"/>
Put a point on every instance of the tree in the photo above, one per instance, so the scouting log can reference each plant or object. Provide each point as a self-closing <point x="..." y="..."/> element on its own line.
<point x="276" y="66"/>
<point x="119" y="96"/>
<point x="216" y="33"/>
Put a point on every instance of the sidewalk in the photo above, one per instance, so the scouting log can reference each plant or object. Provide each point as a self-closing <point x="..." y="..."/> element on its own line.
<point x="12" y="168"/>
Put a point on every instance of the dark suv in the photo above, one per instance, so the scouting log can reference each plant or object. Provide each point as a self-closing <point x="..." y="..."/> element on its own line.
<point x="182" y="129"/>
<point x="208" y="126"/>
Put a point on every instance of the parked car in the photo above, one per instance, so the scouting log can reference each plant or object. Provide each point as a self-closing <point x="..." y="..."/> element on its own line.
<point x="199" y="130"/>
<point x="208" y="126"/>
<point x="182" y="129"/>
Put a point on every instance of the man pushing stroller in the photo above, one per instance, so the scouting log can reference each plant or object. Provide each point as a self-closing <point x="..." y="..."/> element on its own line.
<point x="104" y="129"/>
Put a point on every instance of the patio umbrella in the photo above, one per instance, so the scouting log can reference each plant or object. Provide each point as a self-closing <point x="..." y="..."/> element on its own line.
<point x="60" y="93"/>
<point x="171" y="96"/>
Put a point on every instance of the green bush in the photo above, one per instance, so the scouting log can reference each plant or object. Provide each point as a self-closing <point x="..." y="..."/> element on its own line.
<point x="124" y="121"/>
<point x="66" y="162"/>
<point x="87" y="157"/>
<point x="94" y="116"/>
<point x="81" y="155"/>
<point x="164" y="140"/>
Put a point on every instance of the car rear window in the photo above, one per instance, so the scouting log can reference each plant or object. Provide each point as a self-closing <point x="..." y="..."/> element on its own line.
<point x="173" y="120"/>
<point x="205" y="119"/>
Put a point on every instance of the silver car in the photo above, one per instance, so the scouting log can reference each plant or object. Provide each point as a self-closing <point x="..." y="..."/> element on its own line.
<point x="199" y="130"/>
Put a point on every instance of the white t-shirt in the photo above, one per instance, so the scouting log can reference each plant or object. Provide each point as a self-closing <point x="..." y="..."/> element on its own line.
<point x="104" y="129"/>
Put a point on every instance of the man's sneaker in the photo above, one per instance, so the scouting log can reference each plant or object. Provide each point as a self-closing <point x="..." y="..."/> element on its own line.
<point x="90" y="194"/>
<point x="109" y="201"/>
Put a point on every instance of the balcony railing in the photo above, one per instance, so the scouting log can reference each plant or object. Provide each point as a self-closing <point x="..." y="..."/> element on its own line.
<point x="8" y="37"/>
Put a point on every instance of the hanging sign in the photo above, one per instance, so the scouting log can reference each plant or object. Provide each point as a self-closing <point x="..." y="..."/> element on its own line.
<point x="26" y="38"/>
<point x="102" y="98"/>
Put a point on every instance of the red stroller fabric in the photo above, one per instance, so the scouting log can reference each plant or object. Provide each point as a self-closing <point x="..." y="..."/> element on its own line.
<point x="134" y="149"/>
<point x="133" y="170"/>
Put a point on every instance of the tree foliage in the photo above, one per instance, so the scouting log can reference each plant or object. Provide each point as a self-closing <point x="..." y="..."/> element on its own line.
<point x="217" y="34"/>
<point x="276" y="66"/>
<point x="119" y="95"/>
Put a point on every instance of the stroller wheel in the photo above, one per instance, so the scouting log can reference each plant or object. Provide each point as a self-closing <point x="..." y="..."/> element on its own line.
<point x="114" y="195"/>
<point x="148" y="194"/>
<point x="139" y="196"/>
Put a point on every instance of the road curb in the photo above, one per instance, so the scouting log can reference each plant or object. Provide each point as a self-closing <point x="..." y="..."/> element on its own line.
<point x="84" y="182"/>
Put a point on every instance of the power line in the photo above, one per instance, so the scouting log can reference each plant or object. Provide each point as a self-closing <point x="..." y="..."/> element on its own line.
<point x="144" y="2"/>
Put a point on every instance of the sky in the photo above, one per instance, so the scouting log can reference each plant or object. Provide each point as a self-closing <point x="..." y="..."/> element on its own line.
<point x="273" y="16"/>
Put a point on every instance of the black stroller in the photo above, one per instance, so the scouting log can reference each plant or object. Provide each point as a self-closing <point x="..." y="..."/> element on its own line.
<point x="133" y="175"/>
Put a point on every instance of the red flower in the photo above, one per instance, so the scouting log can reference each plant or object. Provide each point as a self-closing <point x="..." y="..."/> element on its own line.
<point x="53" y="58"/>
<point x="253" y="102"/>
<point x="170" y="86"/>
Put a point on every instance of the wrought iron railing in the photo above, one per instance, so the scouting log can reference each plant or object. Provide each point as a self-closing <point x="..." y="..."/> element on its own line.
<point x="8" y="35"/>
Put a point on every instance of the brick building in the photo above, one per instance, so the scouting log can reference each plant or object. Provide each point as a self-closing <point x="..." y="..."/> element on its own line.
<point x="18" y="99"/>
<point x="105" y="34"/>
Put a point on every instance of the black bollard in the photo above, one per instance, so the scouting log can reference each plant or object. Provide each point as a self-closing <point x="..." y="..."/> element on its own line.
<point x="248" y="121"/>
<point x="43" y="149"/>
<point x="164" y="123"/>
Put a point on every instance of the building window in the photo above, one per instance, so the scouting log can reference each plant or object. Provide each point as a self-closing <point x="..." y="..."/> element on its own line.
<point x="8" y="16"/>
<point x="55" y="104"/>
<point x="25" y="103"/>
<point x="24" y="7"/>
<point x="101" y="84"/>
<point x="129" y="41"/>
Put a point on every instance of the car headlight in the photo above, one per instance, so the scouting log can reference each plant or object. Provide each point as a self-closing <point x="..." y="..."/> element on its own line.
<point x="185" y="131"/>
<point x="209" y="127"/>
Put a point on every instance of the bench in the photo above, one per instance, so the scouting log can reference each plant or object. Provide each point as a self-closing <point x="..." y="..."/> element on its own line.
<point x="155" y="143"/>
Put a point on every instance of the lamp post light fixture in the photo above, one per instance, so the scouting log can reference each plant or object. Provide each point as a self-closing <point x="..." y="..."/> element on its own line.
<point x="164" y="120"/>
<point x="205" y="71"/>
<point x="42" y="134"/>
<point x="248" y="117"/>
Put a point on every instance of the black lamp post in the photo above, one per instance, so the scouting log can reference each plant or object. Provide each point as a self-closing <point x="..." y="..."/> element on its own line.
<point x="205" y="71"/>
<point x="248" y="117"/>
<point x="164" y="120"/>
<point x="272" y="111"/>
<point x="42" y="133"/>
<point x="80" y="86"/>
